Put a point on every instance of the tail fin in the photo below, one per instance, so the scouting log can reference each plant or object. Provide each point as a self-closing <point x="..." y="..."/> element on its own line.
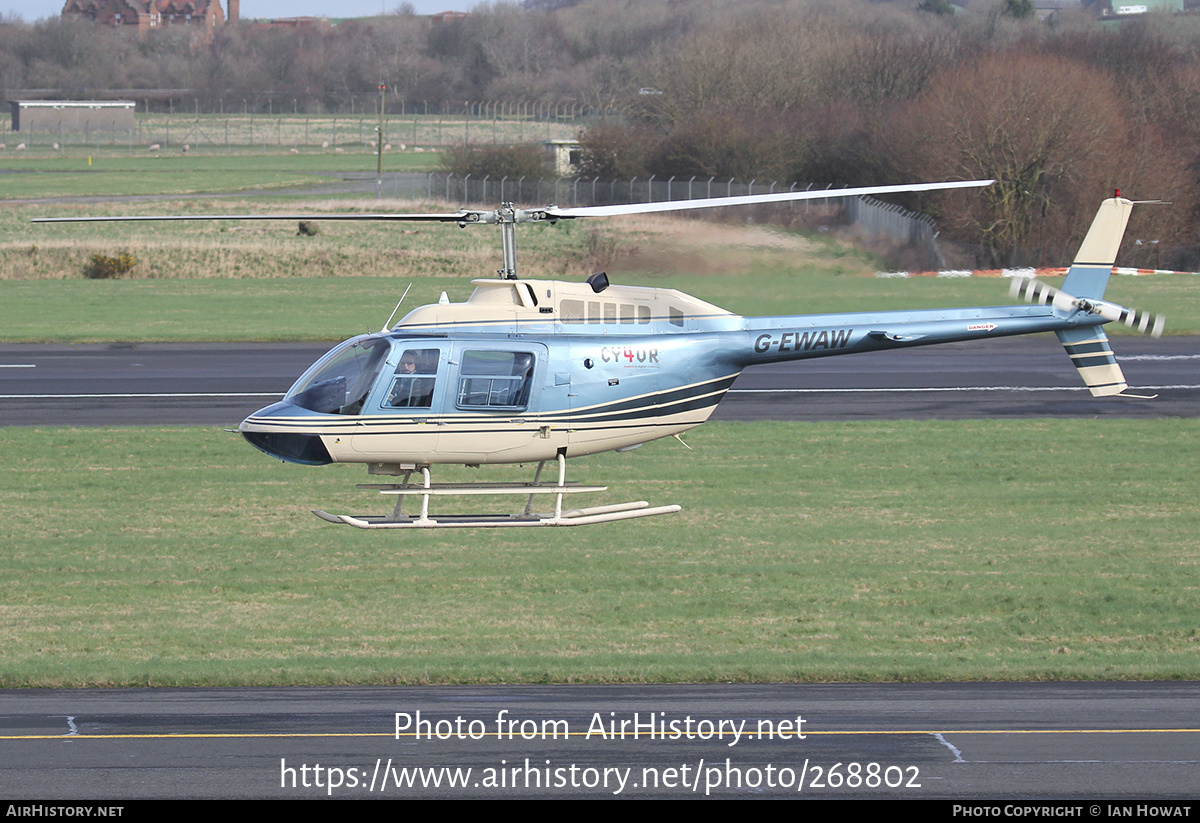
<point x="1090" y="353"/>
<point x="1083" y="290"/>
<point x="1088" y="277"/>
<point x="1093" y="264"/>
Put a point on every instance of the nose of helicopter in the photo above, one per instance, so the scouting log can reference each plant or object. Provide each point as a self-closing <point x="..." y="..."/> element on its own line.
<point x="286" y="431"/>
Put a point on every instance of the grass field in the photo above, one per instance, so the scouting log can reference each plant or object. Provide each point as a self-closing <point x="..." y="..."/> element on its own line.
<point x="27" y="177"/>
<point x="805" y="552"/>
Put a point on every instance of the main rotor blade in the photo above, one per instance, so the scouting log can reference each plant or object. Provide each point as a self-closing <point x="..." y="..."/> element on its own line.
<point x="465" y="216"/>
<point x="745" y="200"/>
<point x="457" y="217"/>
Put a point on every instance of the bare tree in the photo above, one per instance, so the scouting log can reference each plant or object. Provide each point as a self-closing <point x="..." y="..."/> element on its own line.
<point x="1045" y="128"/>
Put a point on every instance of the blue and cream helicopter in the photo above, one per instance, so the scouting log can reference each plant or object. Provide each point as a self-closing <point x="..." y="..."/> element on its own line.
<point x="534" y="371"/>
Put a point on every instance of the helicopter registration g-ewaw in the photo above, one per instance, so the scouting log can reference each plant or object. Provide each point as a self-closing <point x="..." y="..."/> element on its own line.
<point x="533" y="371"/>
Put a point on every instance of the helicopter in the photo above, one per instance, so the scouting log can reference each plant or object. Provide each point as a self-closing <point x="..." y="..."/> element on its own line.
<point x="532" y="371"/>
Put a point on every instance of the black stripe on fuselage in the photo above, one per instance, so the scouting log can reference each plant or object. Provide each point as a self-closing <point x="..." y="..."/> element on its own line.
<point x="673" y="401"/>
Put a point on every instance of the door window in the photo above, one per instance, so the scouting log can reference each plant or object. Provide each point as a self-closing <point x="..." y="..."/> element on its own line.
<point x="412" y="387"/>
<point x="495" y="379"/>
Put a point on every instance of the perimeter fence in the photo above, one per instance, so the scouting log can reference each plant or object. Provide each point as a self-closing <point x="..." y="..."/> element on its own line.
<point x="215" y="134"/>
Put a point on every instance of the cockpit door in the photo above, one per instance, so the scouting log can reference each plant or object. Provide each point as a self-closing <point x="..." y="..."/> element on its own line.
<point x="399" y="421"/>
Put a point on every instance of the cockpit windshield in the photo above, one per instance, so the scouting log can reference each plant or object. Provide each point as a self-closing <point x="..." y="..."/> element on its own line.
<point x="341" y="380"/>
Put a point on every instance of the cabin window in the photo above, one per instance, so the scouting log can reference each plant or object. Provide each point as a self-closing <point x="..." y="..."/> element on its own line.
<point x="593" y="311"/>
<point x="643" y="314"/>
<point x="412" y="387"/>
<point x="676" y="317"/>
<point x="495" y="379"/>
<point x="626" y="312"/>
<point x="610" y="312"/>
<point x="571" y="311"/>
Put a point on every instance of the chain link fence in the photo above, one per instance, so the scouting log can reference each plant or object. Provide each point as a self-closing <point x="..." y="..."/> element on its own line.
<point x="268" y="133"/>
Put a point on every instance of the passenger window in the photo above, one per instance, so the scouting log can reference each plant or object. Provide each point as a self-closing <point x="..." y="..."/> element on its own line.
<point x="413" y="384"/>
<point x="571" y="311"/>
<point x="495" y="379"/>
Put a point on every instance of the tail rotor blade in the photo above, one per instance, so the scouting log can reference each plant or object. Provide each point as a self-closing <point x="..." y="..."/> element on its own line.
<point x="1033" y="291"/>
<point x="1144" y="322"/>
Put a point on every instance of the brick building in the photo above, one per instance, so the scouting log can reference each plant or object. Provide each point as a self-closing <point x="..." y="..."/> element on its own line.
<point x="201" y="16"/>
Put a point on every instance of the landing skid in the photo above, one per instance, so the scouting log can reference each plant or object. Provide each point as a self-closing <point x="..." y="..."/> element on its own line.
<point x="425" y="490"/>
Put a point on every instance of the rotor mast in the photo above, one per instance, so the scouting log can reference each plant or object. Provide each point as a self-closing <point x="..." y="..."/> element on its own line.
<point x="506" y="216"/>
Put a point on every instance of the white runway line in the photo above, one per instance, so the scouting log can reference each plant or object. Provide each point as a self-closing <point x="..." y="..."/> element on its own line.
<point x="958" y="758"/>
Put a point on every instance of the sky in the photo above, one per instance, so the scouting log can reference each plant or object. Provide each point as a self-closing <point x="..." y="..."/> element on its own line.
<point x="33" y="10"/>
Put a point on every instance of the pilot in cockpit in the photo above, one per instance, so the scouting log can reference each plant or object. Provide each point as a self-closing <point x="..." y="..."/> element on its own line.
<point x="411" y="389"/>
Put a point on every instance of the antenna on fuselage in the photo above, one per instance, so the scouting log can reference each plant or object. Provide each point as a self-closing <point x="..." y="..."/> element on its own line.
<point x="388" y="325"/>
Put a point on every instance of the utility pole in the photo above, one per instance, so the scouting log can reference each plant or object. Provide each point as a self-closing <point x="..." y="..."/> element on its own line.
<point x="379" y="166"/>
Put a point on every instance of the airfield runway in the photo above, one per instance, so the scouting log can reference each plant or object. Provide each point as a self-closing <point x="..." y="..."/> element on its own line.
<point x="1103" y="747"/>
<point x="220" y="384"/>
<point x="1095" y="745"/>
